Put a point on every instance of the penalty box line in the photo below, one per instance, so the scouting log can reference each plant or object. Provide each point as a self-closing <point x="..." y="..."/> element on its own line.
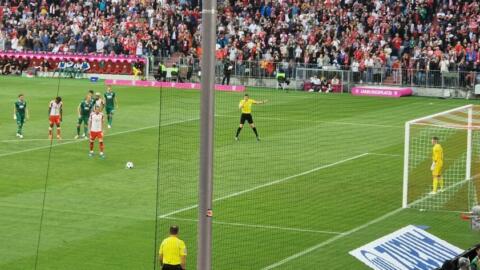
<point x="339" y="123"/>
<point x="108" y="135"/>
<point x="257" y="226"/>
<point x="275" y="182"/>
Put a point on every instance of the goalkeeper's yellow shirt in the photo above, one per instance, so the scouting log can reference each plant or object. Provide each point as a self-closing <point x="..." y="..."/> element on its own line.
<point x="437" y="154"/>
<point x="247" y="105"/>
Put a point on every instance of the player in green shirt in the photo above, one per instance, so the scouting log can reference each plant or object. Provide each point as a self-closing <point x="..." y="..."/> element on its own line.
<point x="84" y="110"/>
<point x="110" y="104"/>
<point x="92" y="98"/>
<point x="20" y="114"/>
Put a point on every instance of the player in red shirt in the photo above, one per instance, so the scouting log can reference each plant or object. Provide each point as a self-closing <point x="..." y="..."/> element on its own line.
<point x="95" y="125"/>
<point x="55" y="111"/>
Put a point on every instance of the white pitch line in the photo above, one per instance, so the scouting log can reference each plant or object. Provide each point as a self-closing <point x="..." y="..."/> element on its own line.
<point x="354" y="230"/>
<point x="108" y="135"/>
<point x="257" y="226"/>
<point x="265" y="185"/>
<point x="333" y="239"/>
<point x="384" y="154"/>
<point x="320" y="122"/>
<point x="33" y="140"/>
<point x="395" y="155"/>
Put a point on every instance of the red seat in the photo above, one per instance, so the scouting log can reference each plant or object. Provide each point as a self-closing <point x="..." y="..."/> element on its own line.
<point x="94" y="67"/>
<point x="117" y="69"/>
<point x="337" y="88"/>
<point x="307" y="86"/>
<point x="109" y="68"/>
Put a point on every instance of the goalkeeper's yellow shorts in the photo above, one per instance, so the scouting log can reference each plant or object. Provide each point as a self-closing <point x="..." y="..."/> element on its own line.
<point x="437" y="170"/>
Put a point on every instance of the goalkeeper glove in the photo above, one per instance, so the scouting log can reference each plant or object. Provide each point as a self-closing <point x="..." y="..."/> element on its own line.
<point x="433" y="166"/>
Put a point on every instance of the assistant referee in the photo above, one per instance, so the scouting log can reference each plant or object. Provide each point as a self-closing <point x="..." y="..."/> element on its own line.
<point x="173" y="252"/>
<point x="246" y="108"/>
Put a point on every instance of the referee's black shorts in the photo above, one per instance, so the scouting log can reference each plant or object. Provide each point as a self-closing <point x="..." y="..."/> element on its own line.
<point x="246" y="117"/>
<point x="171" y="267"/>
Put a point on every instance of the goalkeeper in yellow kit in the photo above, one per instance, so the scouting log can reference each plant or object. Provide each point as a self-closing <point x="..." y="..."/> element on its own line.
<point x="437" y="165"/>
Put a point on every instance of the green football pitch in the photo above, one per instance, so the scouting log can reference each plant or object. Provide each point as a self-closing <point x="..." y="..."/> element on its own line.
<point x="325" y="178"/>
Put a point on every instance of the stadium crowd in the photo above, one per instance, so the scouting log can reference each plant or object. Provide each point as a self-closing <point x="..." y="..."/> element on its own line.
<point x="358" y="35"/>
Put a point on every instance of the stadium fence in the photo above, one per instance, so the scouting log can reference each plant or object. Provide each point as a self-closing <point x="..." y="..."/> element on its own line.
<point x="257" y="74"/>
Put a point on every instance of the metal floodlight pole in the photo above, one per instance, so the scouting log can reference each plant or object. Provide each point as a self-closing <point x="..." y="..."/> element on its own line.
<point x="205" y="190"/>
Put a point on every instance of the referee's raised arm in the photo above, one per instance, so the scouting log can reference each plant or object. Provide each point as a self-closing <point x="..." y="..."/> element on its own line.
<point x="261" y="102"/>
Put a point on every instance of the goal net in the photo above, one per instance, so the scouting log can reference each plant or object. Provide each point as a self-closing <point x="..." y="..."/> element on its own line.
<point x="458" y="131"/>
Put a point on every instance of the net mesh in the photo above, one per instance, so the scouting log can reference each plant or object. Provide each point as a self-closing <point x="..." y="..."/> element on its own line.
<point x="458" y="192"/>
<point x="325" y="178"/>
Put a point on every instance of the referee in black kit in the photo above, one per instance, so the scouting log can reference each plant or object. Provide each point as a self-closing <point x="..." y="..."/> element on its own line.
<point x="246" y="108"/>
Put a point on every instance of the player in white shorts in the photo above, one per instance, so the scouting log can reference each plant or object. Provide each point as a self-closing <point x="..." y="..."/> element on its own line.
<point x="95" y="125"/>
<point x="55" y="110"/>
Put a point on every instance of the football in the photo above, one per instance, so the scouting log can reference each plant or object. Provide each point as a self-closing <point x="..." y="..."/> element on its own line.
<point x="129" y="165"/>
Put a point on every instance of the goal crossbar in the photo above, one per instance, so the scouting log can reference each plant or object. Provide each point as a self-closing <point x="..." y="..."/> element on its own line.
<point x="466" y="107"/>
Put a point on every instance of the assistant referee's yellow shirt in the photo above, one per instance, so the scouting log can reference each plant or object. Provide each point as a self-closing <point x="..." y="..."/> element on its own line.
<point x="172" y="250"/>
<point x="247" y="105"/>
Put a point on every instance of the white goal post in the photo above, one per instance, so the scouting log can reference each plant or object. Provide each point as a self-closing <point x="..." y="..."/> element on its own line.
<point x="458" y="133"/>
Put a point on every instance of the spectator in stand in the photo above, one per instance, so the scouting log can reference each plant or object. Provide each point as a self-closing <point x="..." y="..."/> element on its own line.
<point x="444" y="65"/>
<point x="475" y="264"/>
<point x="335" y="82"/>
<point x="462" y="69"/>
<point x="377" y="70"/>
<point x="161" y="72"/>
<point x="369" y="65"/>
<point x="227" y="72"/>
<point x="326" y="86"/>
<point x="60" y="68"/>
<point x="463" y="264"/>
<point x="77" y="69"/>
<point x="85" y="67"/>
<point x="316" y="84"/>
<point x="397" y="45"/>
<point x="396" y="66"/>
<point x="3" y="62"/>
<point x="470" y="77"/>
<point x="70" y="68"/>
<point x="7" y="67"/>
<point x="282" y="80"/>
<point x="323" y="34"/>
<point x="355" y="67"/>
<point x="137" y="70"/>
<point x="23" y="64"/>
<point x="3" y="40"/>
<point x="11" y="67"/>
<point x="477" y="72"/>
<point x="44" y="68"/>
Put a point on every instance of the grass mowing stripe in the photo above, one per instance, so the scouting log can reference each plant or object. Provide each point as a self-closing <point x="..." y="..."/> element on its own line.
<point x="385" y="155"/>
<point x="257" y="226"/>
<point x="33" y="140"/>
<point x="333" y="239"/>
<point x="109" y="135"/>
<point x="354" y="230"/>
<point x="314" y="121"/>
<point x="266" y="184"/>
<point x="47" y="174"/>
